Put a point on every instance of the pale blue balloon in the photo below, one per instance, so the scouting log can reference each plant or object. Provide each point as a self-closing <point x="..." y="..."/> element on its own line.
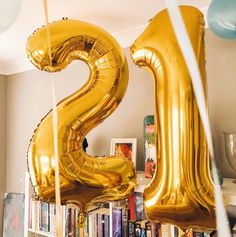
<point x="9" y="10"/>
<point x="221" y="17"/>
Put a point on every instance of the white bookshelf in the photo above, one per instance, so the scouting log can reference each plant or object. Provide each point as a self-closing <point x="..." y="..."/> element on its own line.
<point x="228" y="189"/>
<point x="43" y="233"/>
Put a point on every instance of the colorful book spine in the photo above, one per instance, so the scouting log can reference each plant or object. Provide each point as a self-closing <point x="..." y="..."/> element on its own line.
<point x="52" y="218"/>
<point x="90" y="224"/>
<point x="139" y="208"/>
<point x="131" y="228"/>
<point x="100" y="224"/>
<point x="148" y="229"/>
<point x="116" y="222"/>
<point x="44" y="217"/>
<point x="72" y="223"/>
<point x="165" y="230"/>
<point x="155" y="229"/>
<point x="197" y="234"/>
<point x="132" y="208"/>
<point x="106" y="225"/>
<point x="77" y="228"/>
<point x="125" y="222"/>
<point x="67" y="221"/>
<point x="149" y="146"/>
<point x="137" y="227"/>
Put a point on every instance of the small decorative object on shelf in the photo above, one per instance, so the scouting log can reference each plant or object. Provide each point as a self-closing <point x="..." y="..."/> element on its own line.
<point x="149" y="146"/>
<point x="230" y="149"/>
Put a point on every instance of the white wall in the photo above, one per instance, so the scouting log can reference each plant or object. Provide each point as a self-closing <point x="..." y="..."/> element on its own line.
<point x="2" y="144"/>
<point x="29" y="99"/>
<point x="221" y="72"/>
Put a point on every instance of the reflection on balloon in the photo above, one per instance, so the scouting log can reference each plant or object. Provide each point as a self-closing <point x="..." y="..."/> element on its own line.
<point x="181" y="192"/>
<point x="221" y="18"/>
<point x="84" y="180"/>
<point x="9" y="11"/>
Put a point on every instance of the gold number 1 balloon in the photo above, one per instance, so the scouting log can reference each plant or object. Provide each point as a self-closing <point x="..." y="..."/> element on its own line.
<point x="83" y="179"/>
<point x="181" y="191"/>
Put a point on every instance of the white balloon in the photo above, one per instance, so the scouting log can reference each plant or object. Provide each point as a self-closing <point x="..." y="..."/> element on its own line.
<point x="9" y="10"/>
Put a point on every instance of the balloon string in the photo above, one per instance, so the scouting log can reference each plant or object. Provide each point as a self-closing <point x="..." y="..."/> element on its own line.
<point x="192" y="65"/>
<point x="55" y="134"/>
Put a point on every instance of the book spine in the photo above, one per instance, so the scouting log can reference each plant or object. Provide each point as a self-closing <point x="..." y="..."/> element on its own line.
<point x="197" y="234"/>
<point x="138" y="203"/>
<point x="77" y="228"/>
<point x="165" y="230"/>
<point x="44" y="217"/>
<point x="30" y="214"/>
<point x="100" y="223"/>
<point x="67" y="221"/>
<point x="72" y="223"/>
<point x="90" y="224"/>
<point x="106" y="225"/>
<point x="137" y="228"/>
<point x="125" y="222"/>
<point x="132" y="208"/>
<point x="131" y="229"/>
<point x="52" y="218"/>
<point x="116" y="222"/>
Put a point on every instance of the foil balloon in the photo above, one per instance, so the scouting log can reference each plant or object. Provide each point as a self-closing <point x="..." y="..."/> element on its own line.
<point x="221" y="18"/>
<point x="9" y="11"/>
<point x="181" y="191"/>
<point x="84" y="180"/>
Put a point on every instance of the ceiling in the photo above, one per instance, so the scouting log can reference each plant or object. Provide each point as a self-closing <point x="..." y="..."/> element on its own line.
<point x="124" y="19"/>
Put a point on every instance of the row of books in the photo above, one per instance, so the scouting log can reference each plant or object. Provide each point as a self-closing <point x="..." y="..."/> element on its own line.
<point x="118" y="219"/>
<point x="42" y="218"/>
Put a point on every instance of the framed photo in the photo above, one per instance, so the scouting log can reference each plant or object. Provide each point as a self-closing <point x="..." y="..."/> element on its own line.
<point x="126" y="147"/>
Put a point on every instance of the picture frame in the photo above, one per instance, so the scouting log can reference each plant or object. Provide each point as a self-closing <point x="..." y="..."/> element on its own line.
<point x="13" y="214"/>
<point x="126" y="147"/>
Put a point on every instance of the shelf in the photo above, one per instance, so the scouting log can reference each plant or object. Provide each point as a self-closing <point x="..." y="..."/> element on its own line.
<point x="41" y="233"/>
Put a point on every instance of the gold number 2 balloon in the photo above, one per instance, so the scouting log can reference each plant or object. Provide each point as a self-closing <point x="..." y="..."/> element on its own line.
<point x="181" y="191"/>
<point x="83" y="179"/>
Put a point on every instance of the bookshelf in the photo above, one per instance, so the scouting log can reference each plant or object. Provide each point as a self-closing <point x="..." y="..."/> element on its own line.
<point x="228" y="188"/>
<point x="38" y="232"/>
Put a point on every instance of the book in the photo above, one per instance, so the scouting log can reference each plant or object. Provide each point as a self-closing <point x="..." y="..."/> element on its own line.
<point x="149" y="146"/>
<point x="72" y="222"/>
<point x="131" y="228"/>
<point x="100" y="224"/>
<point x="106" y="225"/>
<point x="125" y="222"/>
<point x="143" y="232"/>
<point x="77" y="227"/>
<point x="30" y="214"/>
<point x="139" y="208"/>
<point x="197" y="234"/>
<point x="68" y="222"/>
<point x="155" y="229"/>
<point x="116" y="222"/>
<point x="52" y="218"/>
<point x="148" y="229"/>
<point x="44" y="216"/>
<point x="132" y="208"/>
<point x="165" y="230"/>
<point x="137" y="227"/>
